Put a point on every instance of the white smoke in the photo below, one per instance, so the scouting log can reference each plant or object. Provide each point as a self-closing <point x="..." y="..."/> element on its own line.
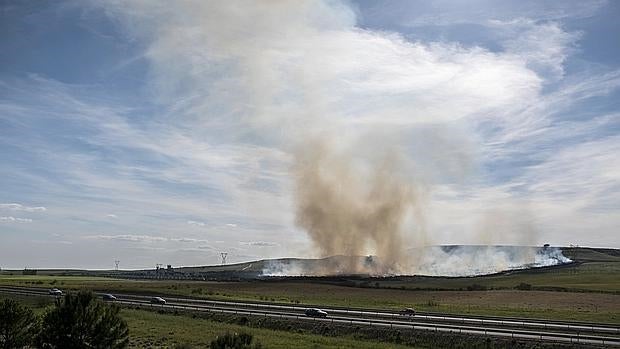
<point x="432" y="261"/>
<point x="374" y="123"/>
<point x="481" y="260"/>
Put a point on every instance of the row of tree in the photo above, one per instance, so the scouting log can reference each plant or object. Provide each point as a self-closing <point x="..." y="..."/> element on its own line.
<point x="78" y="320"/>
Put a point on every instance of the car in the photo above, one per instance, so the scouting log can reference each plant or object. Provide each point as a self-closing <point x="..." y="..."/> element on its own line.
<point x="158" y="300"/>
<point x="407" y="312"/>
<point x="55" y="292"/>
<point x="314" y="312"/>
<point x="108" y="297"/>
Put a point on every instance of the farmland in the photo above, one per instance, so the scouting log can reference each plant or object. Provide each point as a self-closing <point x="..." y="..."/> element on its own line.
<point x="588" y="290"/>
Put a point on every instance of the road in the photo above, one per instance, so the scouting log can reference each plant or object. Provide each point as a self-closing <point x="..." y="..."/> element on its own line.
<point x="518" y="328"/>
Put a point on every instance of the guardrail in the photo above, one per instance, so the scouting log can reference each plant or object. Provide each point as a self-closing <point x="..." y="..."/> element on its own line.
<point x="237" y="308"/>
<point x="521" y="334"/>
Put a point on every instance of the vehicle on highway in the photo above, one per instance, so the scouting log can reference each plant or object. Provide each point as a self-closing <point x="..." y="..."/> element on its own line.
<point x="407" y="312"/>
<point x="55" y="292"/>
<point x="158" y="300"/>
<point x="108" y="297"/>
<point x="314" y="312"/>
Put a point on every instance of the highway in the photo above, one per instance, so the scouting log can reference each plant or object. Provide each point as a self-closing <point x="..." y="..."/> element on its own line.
<point x="518" y="328"/>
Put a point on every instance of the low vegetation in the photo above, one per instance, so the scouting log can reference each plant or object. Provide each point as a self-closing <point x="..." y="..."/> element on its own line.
<point x="80" y="320"/>
<point x="586" y="291"/>
<point x="188" y="330"/>
<point x="77" y="321"/>
<point x="18" y="325"/>
<point x="148" y="329"/>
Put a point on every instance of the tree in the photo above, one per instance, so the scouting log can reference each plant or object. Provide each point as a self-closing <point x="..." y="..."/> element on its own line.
<point x="83" y="321"/>
<point x="18" y="325"/>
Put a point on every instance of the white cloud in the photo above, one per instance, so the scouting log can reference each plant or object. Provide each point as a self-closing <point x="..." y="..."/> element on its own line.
<point x="544" y="46"/>
<point x="113" y="216"/>
<point x="129" y="238"/>
<point x="446" y="12"/>
<point x="197" y="223"/>
<point x="11" y="219"/>
<point x="146" y="238"/>
<point x="58" y="242"/>
<point x="229" y="107"/>
<point x="260" y="243"/>
<point x="188" y="240"/>
<point x="20" y="207"/>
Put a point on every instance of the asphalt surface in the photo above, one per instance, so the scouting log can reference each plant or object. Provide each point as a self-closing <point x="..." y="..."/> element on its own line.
<point x="518" y="328"/>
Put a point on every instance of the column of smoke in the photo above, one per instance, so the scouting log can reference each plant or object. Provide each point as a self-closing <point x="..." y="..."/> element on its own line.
<point x="351" y="213"/>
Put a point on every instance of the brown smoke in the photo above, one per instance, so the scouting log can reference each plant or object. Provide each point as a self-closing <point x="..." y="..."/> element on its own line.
<point x="347" y="212"/>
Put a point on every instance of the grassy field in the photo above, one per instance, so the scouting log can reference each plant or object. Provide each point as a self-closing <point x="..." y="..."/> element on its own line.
<point x="153" y="330"/>
<point x="584" y="277"/>
<point x="599" y="307"/>
<point x="586" y="291"/>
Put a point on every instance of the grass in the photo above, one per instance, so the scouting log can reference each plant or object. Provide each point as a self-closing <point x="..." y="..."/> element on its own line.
<point x="597" y="307"/>
<point x="588" y="277"/>
<point x="591" y="290"/>
<point x="154" y="330"/>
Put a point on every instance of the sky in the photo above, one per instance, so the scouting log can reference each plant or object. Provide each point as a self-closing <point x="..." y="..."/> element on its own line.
<point x="165" y="131"/>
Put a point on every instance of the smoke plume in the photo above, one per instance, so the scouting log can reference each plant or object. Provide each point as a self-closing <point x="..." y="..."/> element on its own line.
<point x="276" y="76"/>
<point x="348" y="212"/>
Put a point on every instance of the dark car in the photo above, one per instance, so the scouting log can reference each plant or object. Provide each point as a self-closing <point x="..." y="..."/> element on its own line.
<point x="158" y="300"/>
<point x="314" y="312"/>
<point x="108" y="297"/>
<point x="407" y="312"/>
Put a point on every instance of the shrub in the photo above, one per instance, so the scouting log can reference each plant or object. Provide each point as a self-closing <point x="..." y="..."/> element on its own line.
<point x="235" y="341"/>
<point x="476" y="287"/>
<point x="82" y="321"/>
<point x="523" y="286"/>
<point x="18" y="325"/>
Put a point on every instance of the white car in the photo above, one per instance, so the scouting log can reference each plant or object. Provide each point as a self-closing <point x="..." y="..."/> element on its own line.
<point x="55" y="292"/>
<point x="158" y="300"/>
<point x="108" y="297"/>
<point x="314" y="312"/>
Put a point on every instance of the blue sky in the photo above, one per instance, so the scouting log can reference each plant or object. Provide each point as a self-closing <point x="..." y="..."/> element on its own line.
<point x="165" y="132"/>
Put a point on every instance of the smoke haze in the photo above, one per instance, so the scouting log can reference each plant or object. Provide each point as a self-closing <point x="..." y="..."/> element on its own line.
<point x="452" y="261"/>
<point x="377" y="128"/>
<point x="348" y="212"/>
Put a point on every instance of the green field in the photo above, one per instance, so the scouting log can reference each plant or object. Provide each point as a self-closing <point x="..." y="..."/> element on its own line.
<point x="154" y="330"/>
<point x="588" y="290"/>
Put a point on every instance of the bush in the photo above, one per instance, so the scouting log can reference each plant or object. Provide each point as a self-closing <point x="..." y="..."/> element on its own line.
<point x="432" y="303"/>
<point x="523" y="286"/>
<point x="235" y="341"/>
<point x="476" y="287"/>
<point x="18" y="325"/>
<point x="82" y="321"/>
